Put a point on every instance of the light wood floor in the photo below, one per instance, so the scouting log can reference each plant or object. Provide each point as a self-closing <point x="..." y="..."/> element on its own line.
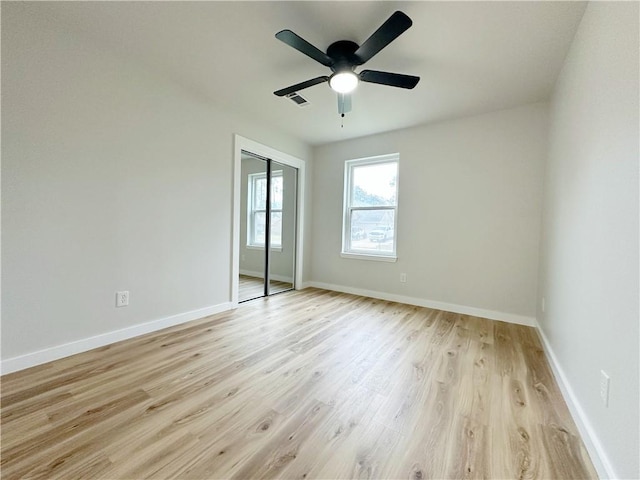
<point x="305" y="385"/>
<point x="253" y="287"/>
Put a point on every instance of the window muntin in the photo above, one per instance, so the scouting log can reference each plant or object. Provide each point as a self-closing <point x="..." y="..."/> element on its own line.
<point x="257" y="202"/>
<point x="370" y="206"/>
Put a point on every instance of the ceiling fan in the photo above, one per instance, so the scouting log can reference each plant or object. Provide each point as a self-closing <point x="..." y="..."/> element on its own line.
<point x="344" y="56"/>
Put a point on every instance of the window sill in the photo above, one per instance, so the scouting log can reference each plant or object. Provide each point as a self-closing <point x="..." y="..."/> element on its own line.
<point x="364" y="256"/>
<point x="257" y="247"/>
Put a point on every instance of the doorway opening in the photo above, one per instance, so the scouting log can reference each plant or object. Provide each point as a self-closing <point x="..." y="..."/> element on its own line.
<point x="268" y="191"/>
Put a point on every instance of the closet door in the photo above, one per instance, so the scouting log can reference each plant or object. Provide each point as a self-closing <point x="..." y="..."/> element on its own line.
<point x="282" y="255"/>
<point x="267" y="227"/>
<point x="253" y="227"/>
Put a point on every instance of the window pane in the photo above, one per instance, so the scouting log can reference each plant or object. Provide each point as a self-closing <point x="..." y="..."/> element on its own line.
<point x="276" y="228"/>
<point x="259" y="227"/>
<point x="372" y="230"/>
<point x="374" y="185"/>
<point x="260" y="194"/>
<point x="276" y="192"/>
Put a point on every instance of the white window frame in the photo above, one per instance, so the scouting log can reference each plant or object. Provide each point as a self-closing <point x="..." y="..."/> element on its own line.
<point x="348" y="209"/>
<point x="252" y="211"/>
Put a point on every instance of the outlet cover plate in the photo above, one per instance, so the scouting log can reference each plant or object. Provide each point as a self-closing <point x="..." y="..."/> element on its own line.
<point x="122" y="299"/>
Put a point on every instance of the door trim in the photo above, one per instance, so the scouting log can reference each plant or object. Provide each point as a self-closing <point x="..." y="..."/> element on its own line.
<point x="241" y="143"/>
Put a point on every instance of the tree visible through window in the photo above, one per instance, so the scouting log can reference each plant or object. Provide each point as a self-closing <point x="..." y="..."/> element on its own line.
<point x="257" y="214"/>
<point x="371" y="190"/>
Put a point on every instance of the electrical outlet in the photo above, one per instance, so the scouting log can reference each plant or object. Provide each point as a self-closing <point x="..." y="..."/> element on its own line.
<point x="122" y="299"/>
<point x="543" y="304"/>
<point x="403" y="278"/>
<point x="604" y="387"/>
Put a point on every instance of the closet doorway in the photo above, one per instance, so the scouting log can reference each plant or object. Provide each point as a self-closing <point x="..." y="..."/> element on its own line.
<point x="267" y="217"/>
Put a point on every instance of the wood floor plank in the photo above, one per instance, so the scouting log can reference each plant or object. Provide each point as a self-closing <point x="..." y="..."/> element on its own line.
<point x="365" y="455"/>
<point x="305" y="384"/>
<point x="272" y="458"/>
<point x="353" y="410"/>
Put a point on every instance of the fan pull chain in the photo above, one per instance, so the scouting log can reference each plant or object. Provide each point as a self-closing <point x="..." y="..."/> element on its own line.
<point x="342" y="121"/>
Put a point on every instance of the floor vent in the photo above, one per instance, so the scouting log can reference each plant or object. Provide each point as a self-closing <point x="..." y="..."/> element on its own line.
<point x="298" y="99"/>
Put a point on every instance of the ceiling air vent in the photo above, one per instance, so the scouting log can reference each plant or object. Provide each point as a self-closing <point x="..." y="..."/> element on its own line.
<point x="298" y="99"/>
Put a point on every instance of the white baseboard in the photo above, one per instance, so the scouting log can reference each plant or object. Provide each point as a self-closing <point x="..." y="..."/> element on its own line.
<point x="279" y="278"/>
<point x="421" y="302"/>
<point x="60" y="351"/>
<point x="591" y="441"/>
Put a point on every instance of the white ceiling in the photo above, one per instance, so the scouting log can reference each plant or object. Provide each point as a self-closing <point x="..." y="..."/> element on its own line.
<point x="472" y="57"/>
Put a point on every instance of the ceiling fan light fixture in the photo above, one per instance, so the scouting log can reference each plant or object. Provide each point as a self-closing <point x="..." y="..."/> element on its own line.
<point x="343" y="82"/>
<point x="344" y="56"/>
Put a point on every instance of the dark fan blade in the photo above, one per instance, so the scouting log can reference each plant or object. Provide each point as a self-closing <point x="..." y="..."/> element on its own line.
<point x="391" y="79"/>
<point x="300" y="86"/>
<point x="300" y="44"/>
<point x="395" y="25"/>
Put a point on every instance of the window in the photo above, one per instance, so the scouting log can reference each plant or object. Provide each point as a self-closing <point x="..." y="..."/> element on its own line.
<point x="257" y="214"/>
<point x="370" y="208"/>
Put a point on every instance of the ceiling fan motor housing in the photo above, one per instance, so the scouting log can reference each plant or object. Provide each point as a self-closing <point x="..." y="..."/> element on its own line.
<point x="343" y="55"/>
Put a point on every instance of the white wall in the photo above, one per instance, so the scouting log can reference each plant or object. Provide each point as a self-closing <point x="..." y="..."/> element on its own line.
<point x="469" y="213"/>
<point x="113" y="178"/>
<point x="589" y="261"/>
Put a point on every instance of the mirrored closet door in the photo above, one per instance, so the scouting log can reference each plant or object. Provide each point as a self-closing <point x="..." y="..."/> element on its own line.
<point x="267" y="227"/>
